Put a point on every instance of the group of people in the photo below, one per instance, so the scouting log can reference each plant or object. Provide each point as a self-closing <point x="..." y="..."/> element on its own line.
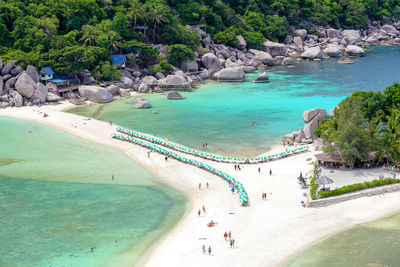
<point x="204" y="250"/>
<point x="207" y="185"/>
<point x="231" y="240"/>
<point x="237" y="167"/>
<point x="264" y="196"/>
<point x="205" y="145"/>
<point x="204" y="211"/>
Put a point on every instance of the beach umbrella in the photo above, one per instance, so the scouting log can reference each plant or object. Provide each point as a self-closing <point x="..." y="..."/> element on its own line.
<point x="324" y="180"/>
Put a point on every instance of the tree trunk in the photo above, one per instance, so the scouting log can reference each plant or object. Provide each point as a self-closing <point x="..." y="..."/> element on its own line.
<point x="154" y="33"/>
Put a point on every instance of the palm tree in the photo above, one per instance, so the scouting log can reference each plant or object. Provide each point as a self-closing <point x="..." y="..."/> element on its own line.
<point x="145" y="18"/>
<point x="390" y="143"/>
<point x="114" y="41"/>
<point x="158" y="16"/>
<point x="136" y="11"/>
<point x="89" y="35"/>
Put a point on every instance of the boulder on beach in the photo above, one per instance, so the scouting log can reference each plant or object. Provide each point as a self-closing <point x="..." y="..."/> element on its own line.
<point x="235" y="74"/>
<point x="262" y="78"/>
<point x="310" y="114"/>
<point x="264" y="57"/>
<point x="32" y="72"/>
<point x="211" y="62"/>
<point x="312" y="53"/>
<point x="52" y="97"/>
<point x="95" y="93"/>
<point x="353" y="36"/>
<point x="175" y="82"/>
<point x="332" y="51"/>
<point x="275" y="49"/>
<point x="312" y="125"/>
<point x="25" y="85"/>
<point x="354" y="50"/>
<point x="113" y="89"/>
<point x="40" y="92"/>
<point x="173" y="95"/>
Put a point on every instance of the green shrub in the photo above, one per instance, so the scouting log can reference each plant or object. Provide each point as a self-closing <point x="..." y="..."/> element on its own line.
<point x="313" y="188"/>
<point x="178" y="34"/>
<point x="229" y="36"/>
<point x="164" y="67"/>
<point x="178" y="53"/>
<point x="106" y="72"/>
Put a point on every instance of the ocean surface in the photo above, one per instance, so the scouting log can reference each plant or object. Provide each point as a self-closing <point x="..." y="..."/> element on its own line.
<point x="220" y="114"/>
<point x="373" y="244"/>
<point x="58" y="200"/>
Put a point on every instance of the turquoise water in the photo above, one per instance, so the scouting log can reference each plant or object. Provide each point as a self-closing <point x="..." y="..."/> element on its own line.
<point x="372" y="244"/>
<point x="57" y="200"/>
<point x="221" y="113"/>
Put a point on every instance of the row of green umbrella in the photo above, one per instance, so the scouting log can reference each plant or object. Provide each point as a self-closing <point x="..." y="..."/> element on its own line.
<point x="239" y="187"/>
<point x="207" y="156"/>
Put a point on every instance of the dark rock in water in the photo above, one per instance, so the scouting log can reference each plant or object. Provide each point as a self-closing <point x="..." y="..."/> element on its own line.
<point x="235" y="74"/>
<point x="8" y="67"/>
<point x="154" y="112"/>
<point x="263" y="78"/>
<point x="174" y="95"/>
<point x="142" y="104"/>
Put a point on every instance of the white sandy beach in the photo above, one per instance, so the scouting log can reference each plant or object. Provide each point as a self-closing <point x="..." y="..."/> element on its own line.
<point x="267" y="233"/>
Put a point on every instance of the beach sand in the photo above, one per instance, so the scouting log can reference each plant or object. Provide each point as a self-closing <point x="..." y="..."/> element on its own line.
<point x="266" y="232"/>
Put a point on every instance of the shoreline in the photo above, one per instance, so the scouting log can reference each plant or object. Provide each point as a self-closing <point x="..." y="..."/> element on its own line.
<point x="283" y="226"/>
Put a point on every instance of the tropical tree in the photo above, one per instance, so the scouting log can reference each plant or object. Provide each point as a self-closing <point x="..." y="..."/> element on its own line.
<point x="88" y="35"/>
<point x="158" y="16"/>
<point x="136" y="11"/>
<point x="390" y="138"/>
<point x="114" y="41"/>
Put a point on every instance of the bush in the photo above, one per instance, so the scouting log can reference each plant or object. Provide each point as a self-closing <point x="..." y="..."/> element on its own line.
<point x="164" y="67"/>
<point x="229" y="36"/>
<point x="357" y="187"/>
<point x="178" y="34"/>
<point x="313" y="189"/>
<point x="106" y="72"/>
<point x="147" y="54"/>
<point x="178" y="53"/>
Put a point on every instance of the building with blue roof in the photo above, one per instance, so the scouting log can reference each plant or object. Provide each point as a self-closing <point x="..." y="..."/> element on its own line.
<point x="118" y="60"/>
<point x="55" y="80"/>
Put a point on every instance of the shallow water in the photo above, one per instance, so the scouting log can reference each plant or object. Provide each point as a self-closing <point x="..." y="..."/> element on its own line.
<point x="221" y="113"/>
<point x="57" y="200"/>
<point x="372" y="244"/>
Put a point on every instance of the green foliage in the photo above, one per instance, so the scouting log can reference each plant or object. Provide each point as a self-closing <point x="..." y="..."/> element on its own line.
<point x="392" y="95"/>
<point x="164" y="67"/>
<point x="178" y="53"/>
<point x="229" y="36"/>
<point x="147" y="54"/>
<point x="313" y="188"/>
<point x="121" y="26"/>
<point x="357" y="187"/>
<point x="178" y="34"/>
<point x="106" y="72"/>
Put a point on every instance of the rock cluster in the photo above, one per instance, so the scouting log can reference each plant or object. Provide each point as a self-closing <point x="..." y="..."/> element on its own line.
<point x="312" y="118"/>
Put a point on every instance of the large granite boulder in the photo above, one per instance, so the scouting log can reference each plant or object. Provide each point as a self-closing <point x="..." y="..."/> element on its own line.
<point x="175" y="82"/>
<point x="189" y="66"/>
<point x="354" y="50"/>
<point x="332" y="33"/>
<point x="310" y="114"/>
<point x="52" y="97"/>
<point x="298" y="41"/>
<point x="312" y="53"/>
<point x="127" y="81"/>
<point x="16" y="70"/>
<point x="150" y="80"/>
<point x="302" y="33"/>
<point x="173" y="95"/>
<point x="248" y="69"/>
<point x="230" y="64"/>
<point x="354" y="36"/>
<point x="32" y="72"/>
<point x="310" y="127"/>
<point x="95" y="93"/>
<point x="8" y="67"/>
<point x="18" y="99"/>
<point x="264" y="57"/>
<point x="4" y="104"/>
<point x="113" y="89"/>
<point x="390" y="30"/>
<point x="1" y="84"/>
<point x="235" y="74"/>
<point x="141" y="103"/>
<point x="262" y="78"/>
<point x="40" y="92"/>
<point x="10" y="83"/>
<point x="242" y="42"/>
<point x="25" y="85"/>
<point x="1" y="64"/>
<point x="332" y="51"/>
<point x="211" y="62"/>
<point x="275" y="49"/>
<point x="159" y="76"/>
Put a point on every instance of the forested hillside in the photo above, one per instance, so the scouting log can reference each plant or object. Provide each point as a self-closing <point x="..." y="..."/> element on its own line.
<point x="81" y="34"/>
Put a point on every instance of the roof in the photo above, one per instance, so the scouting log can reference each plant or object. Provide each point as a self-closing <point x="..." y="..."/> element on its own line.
<point x="330" y="157"/>
<point x="61" y="80"/>
<point x="48" y="71"/>
<point x="118" y="59"/>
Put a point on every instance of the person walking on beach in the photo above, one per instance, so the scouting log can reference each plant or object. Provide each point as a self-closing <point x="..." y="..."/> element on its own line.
<point x="225" y="235"/>
<point x="207" y="185"/>
<point x="148" y="154"/>
<point x="199" y="212"/>
<point x="204" y="209"/>
<point x="233" y="190"/>
<point x="230" y="235"/>
<point x="166" y="158"/>
<point x="199" y="186"/>
<point x="270" y="172"/>
<point x="204" y="249"/>
<point x="259" y="169"/>
<point x="230" y="242"/>
<point x="112" y="177"/>
<point x="233" y="243"/>
<point x="209" y="250"/>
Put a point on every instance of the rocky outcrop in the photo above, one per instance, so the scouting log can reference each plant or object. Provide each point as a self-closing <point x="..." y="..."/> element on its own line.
<point x="40" y="92"/>
<point x="141" y="103"/>
<point x="354" y="50"/>
<point x="8" y="67"/>
<point x="189" y="66"/>
<point x="310" y="114"/>
<point x="312" y="53"/>
<point x="313" y="124"/>
<point x="211" y="62"/>
<point x="52" y="97"/>
<point x="173" y="95"/>
<point x="242" y="42"/>
<point x="113" y="89"/>
<point x="25" y="85"/>
<point x="262" y="78"/>
<point x="235" y="74"/>
<point x="390" y="30"/>
<point x="332" y="51"/>
<point x="263" y="57"/>
<point x="352" y="35"/>
<point x="32" y="72"/>
<point x="275" y="49"/>
<point x="95" y="93"/>
<point x="176" y="82"/>
<point x="302" y="33"/>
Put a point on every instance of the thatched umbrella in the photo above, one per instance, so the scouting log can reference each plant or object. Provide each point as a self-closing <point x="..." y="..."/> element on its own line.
<point x="324" y="180"/>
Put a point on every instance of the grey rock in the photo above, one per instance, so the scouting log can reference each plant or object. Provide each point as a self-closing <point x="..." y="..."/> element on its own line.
<point x="332" y="51"/>
<point x="262" y="78"/>
<point x="18" y="99"/>
<point x="16" y="70"/>
<point x="113" y="89"/>
<point x="206" y="41"/>
<point x="52" y="97"/>
<point x="301" y="32"/>
<point x="142" y="104"/>
<point x="35" y="101"/>
<point x="352" y="35"/>
<point x="124" y="92"/>
<point x="88" y="80"/>
<point x="230" y="64"/>
<point x="346" y="61"/>
<point x="10" y="83"/>
<point x="137" y="73"/>
<point x="1" y="84"/>
<point x="40" y="92"/>
<point x="310" y="127"/>
<point x="25" y="85"/>
<point x="173" y="95"/>
<point x="95" y="93"/>
<point x="189" y="66"/>
<point x="159" y="76"/>
<point x="275" y="49"/>
<point x="32" y="72"/>
<point x="390" y="30"/>
<point x="263" y="57"/>
<point x="126" y="73"/>
<point x="235" y="74"/>
<point x="312" y="53"/>
<point x="298" y="41"/>
<point x="354" y="50"/>
<point x="151" y="81"/>
<point x="4" y="104"/>
<point x="8" y="67"/>
<point x="248" y="69"/>
<point x="242" y="42"/>
<point x="144" y="88"/>
<point x="1" y="64"/>
<point x="289" y="61"/>
<point x="6" y="77"/>
<point x="179" y="81"/>
<point x="332" y="33"/>
<point x="4" y="98"/>
<point x="310" y="114"/>
<point x="288" y="40"/>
